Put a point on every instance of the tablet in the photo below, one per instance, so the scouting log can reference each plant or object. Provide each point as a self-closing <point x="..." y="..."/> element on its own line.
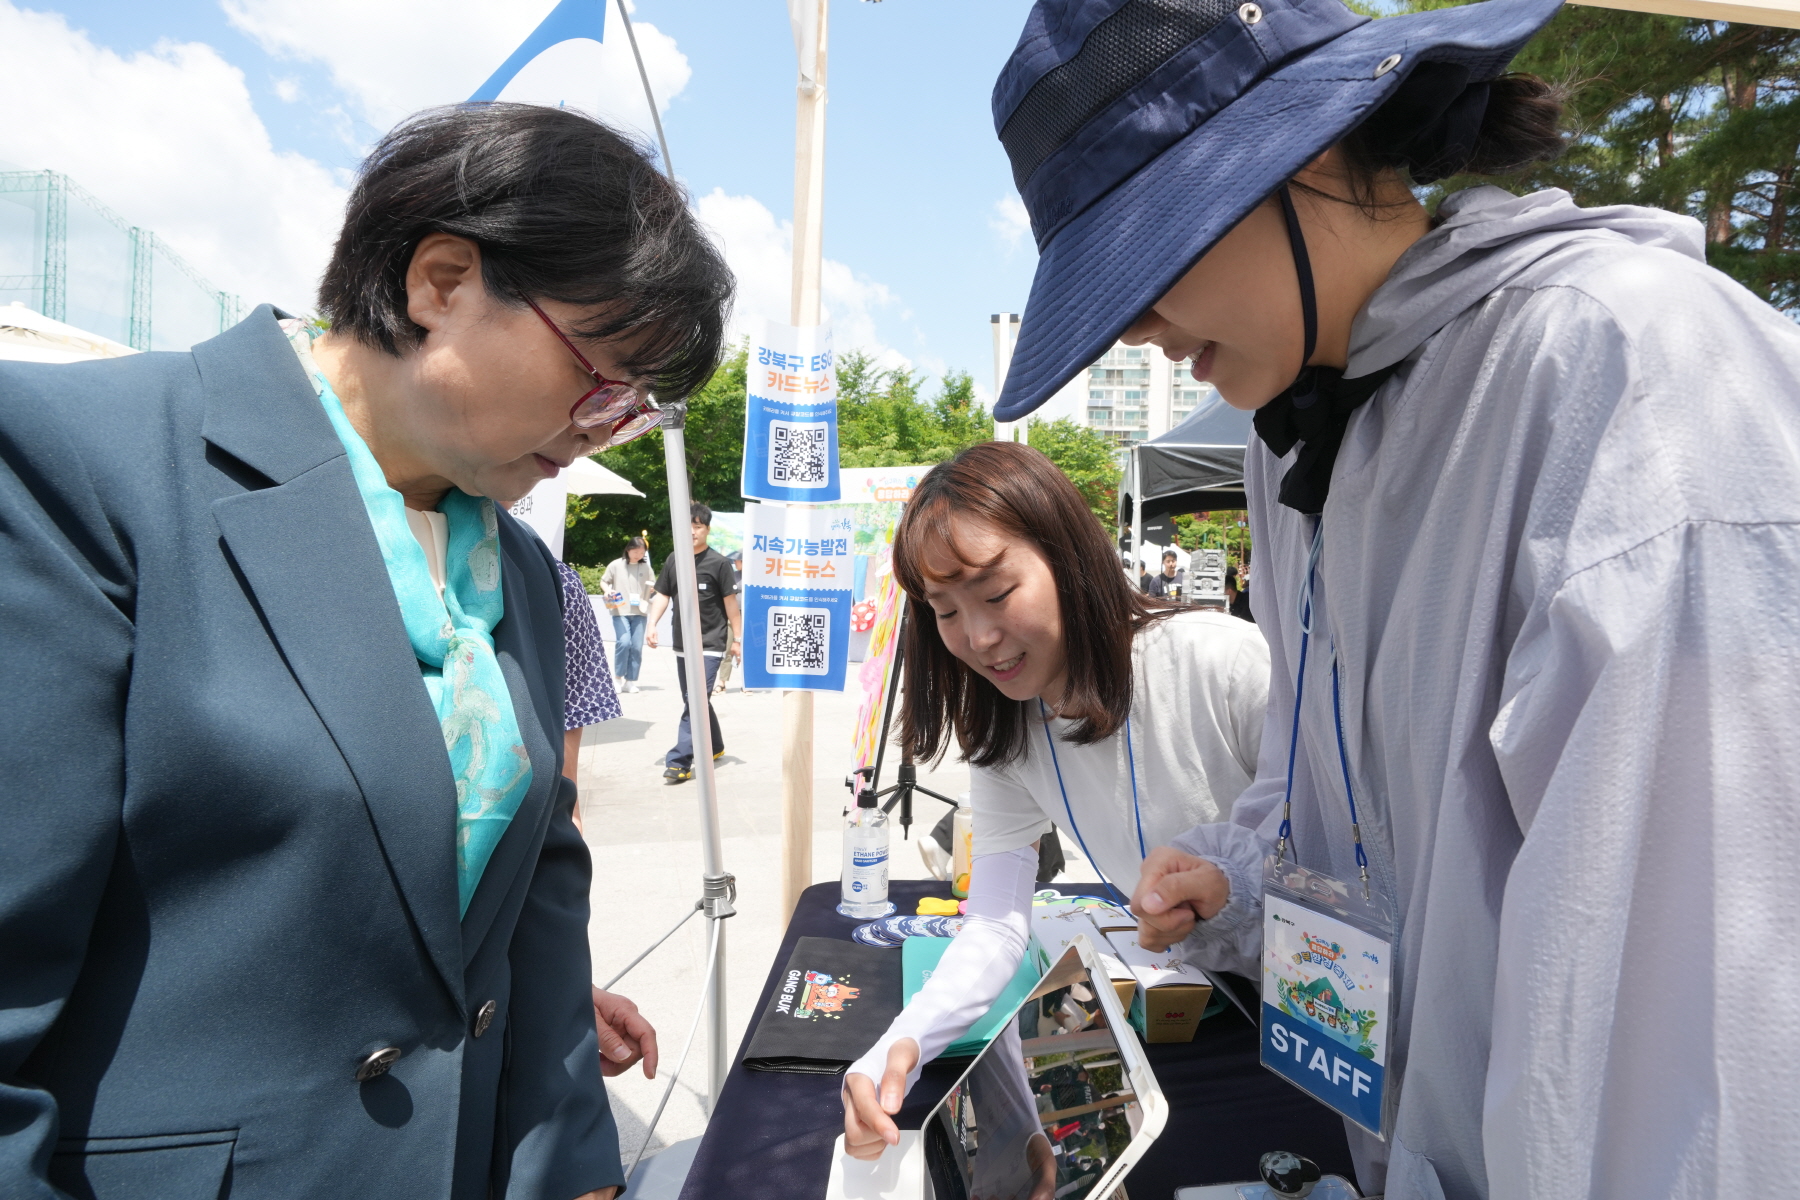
<point x="1061" y="1104"/>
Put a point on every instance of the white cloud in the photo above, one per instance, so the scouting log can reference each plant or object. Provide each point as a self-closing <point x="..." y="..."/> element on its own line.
<point x="288" y="90"/>
<point x="1011" y="221"/>
<point x="394" y="57"/>
<point x="760" y="251"/>
<point x="168" y="139"/>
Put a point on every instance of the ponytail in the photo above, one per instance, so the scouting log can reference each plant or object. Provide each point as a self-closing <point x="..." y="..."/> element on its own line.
<point x="1440" y="124"/>
<point x="1521" y="127"/>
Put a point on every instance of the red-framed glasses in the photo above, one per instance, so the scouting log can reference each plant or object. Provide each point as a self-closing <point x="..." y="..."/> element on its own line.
<point x="609" y="402"/>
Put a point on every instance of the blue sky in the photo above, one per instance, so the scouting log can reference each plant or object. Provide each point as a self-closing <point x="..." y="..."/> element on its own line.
<point x="231" y="127"/>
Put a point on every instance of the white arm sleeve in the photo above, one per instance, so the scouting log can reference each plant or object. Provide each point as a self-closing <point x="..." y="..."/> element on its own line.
<point x="976" y="968"/>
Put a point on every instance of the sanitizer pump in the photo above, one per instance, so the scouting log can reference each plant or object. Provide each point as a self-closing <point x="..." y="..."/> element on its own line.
<point x="865" y="878"/>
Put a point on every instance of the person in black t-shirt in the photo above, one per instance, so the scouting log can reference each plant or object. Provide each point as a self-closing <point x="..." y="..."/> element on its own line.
<point x="721" y="633"/>
<point x="1159" y="585"/>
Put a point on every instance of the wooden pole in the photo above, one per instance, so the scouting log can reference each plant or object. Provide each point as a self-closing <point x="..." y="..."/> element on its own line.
<point x="809" y="215"/>
<point x="1782" y="13"/>
<point x="1006" y="332"/>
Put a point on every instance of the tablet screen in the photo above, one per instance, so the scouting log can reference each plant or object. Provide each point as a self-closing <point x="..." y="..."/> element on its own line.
<point x="1045" y="1109"/>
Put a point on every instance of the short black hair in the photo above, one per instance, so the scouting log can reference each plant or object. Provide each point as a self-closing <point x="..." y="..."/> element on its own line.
<point x="1168" y="554"/>
<point x="563" y="207"/>
<point x="699" y="514"/>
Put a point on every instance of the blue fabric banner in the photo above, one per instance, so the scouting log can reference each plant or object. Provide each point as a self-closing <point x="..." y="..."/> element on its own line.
<point x="569" y="20"/>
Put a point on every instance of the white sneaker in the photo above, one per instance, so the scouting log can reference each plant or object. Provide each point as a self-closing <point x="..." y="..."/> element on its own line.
<point x="631" y="685"/>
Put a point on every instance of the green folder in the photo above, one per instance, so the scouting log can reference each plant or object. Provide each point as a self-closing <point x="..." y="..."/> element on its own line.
<point x="919" y="957"/>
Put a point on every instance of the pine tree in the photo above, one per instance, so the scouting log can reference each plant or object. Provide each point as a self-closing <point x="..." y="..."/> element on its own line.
<point x="1698" y="117"/>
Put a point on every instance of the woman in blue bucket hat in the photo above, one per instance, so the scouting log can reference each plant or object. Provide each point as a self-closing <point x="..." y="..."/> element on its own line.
<point x="1503" y="450"/>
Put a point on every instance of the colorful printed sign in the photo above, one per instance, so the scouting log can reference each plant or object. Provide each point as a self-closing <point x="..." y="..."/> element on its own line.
<point x="812" y="994"/>
<point x="797" y="597"/>
<point x="790" y="416"/>
<point x="1325" y="1008"/>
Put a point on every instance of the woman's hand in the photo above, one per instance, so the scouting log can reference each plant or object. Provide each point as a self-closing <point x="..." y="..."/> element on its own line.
<point x="625" y="1037"/>
<point x="868" y="1119"/>
<point x="1174" y="891"/>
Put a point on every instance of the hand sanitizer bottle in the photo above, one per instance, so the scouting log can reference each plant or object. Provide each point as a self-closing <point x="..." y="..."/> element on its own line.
<point x="865" y="879"/>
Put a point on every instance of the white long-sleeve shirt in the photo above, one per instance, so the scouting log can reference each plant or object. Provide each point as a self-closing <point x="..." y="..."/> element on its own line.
<point x="1199" y="690"/>
<point x="1559" y="568"/>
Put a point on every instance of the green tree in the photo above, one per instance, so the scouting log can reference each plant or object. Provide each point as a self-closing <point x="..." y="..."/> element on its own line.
<point x="1699" y="117"/>
<point x="1087" y="457"/>
<point x="883" y="421"/>
<point x="598" y="526"/>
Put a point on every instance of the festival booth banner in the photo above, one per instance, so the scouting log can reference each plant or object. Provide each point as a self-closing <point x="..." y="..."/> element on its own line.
<point x="875" y="497"/>
<point x="797" y="597"/>
<point x="790" y="416"/>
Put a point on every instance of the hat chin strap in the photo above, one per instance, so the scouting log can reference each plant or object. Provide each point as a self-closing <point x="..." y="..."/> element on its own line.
<point x="1309" y="302"/>
<point x="1313" y="411"/>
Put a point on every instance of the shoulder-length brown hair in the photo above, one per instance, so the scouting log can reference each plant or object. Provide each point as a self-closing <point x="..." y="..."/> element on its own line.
<point x="1020" y="492"/>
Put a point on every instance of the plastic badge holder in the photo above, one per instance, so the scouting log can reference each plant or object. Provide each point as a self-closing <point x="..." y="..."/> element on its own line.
<point x="1327" y="991"/>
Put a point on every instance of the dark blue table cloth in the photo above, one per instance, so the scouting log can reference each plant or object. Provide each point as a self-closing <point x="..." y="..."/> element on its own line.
<point x="771" y="1134"/>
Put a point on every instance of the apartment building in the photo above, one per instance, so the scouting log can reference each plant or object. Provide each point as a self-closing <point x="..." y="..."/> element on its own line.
<point x="1132" y="394"/>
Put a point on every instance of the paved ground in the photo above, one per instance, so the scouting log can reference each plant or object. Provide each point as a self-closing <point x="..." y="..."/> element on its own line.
<point x="647" y="868"/>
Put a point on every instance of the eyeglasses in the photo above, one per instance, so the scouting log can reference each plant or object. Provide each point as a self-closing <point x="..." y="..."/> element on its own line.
<point x="610" y="402"/>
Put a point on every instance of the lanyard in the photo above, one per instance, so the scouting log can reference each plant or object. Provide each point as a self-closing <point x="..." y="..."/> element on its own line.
<point x="1136" y="813"/>
<point x="1337" y="720"/>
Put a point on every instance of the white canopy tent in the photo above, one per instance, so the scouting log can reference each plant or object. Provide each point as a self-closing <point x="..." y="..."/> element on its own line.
<point x="544" y="506"/>
<point x="29" y="336"/>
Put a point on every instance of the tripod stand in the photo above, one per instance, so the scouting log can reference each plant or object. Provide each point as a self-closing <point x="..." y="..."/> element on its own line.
<point x="907" y="775"/>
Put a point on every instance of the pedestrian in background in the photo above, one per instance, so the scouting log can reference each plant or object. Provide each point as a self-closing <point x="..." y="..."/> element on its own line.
<point x="628" y="585"/>
<point x="721" y="632"/>
<point x="588" y="695"/>
<point x="1167" y="583"/>
<point x="1237" y="598"/>
<point x="626" y="1038"/>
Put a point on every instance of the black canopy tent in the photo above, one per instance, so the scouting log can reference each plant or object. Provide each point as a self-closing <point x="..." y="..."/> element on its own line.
<point x="1198" y="466"/>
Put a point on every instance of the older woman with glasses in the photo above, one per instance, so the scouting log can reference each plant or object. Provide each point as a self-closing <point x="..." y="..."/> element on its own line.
<point x="291" y="902"/>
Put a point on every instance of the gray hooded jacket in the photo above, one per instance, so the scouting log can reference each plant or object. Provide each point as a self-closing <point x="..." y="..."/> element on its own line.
<point x="1558" y="573"/>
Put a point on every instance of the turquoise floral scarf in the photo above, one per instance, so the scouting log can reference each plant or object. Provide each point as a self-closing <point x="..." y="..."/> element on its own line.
<point x="452" y="637"/>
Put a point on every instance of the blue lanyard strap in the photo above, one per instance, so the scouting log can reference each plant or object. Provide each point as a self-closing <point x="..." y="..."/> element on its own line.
<point x="1337" y="719"/>
<point x="1306" y="600"/>
<point x="1136" y="812"/>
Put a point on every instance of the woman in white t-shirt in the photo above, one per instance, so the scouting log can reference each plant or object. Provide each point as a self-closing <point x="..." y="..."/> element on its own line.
<point x="1079" y="704"/>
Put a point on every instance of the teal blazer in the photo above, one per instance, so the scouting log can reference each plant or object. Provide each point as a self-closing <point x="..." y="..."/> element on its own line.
<point x="228" y="882"/>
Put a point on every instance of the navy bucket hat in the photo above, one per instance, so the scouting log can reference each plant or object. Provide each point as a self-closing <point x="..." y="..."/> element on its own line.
<point x="1142" y="131"/>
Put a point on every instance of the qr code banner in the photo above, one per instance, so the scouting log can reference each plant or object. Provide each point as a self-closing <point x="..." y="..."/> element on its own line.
<point x="790" y="416"/>
<point x="799" y="454"/>
<point x="799" y="641"/>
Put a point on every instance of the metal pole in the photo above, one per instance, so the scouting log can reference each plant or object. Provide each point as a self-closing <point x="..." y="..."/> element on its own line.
<point x="720" y="889"/>
<point x="809" y="216"/>
<point x="655" y="117"/>
<point x="1137" y="515"/>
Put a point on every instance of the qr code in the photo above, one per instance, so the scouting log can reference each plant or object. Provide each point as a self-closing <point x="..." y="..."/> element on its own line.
<point x="799" y="641"/>
<point x="798" y="453"/>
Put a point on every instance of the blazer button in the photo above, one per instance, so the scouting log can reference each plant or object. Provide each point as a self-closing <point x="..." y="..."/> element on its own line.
<point x="377" y="1064"/>
<point x="485" y="1017"/>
